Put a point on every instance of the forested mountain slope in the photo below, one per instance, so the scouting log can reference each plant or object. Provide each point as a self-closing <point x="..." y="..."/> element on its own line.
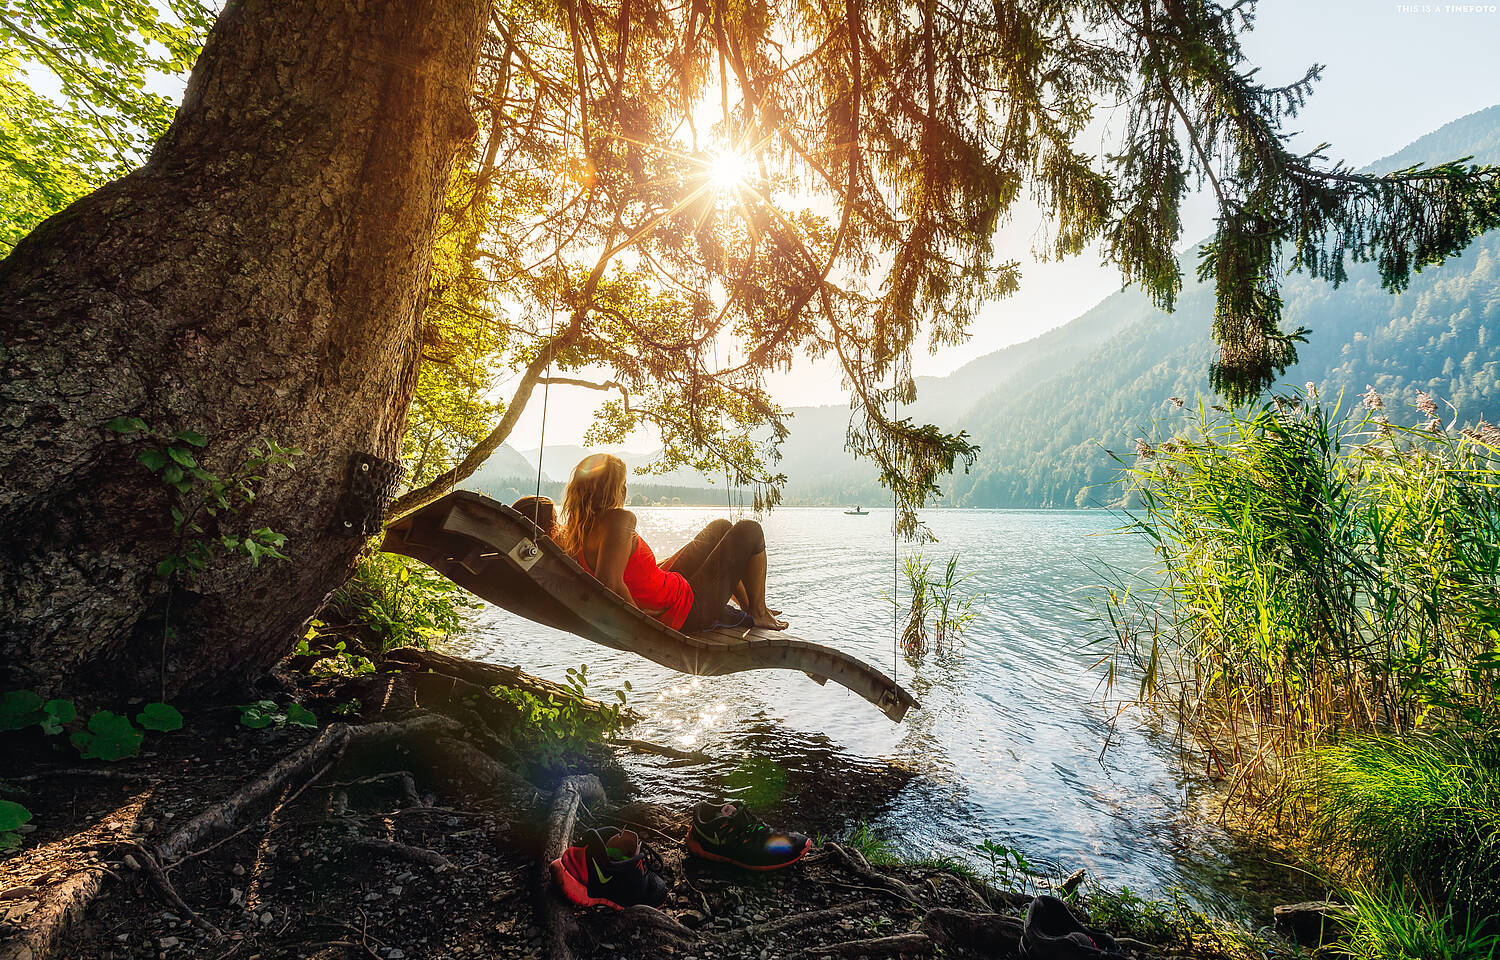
<point x="1057" y="403"/>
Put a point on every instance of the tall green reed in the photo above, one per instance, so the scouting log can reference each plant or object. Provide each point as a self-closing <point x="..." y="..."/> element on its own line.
<point x="1322" y="573"/>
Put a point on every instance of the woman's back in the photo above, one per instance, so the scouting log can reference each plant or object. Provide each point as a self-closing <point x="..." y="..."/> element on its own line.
<point x="662" y="593"/>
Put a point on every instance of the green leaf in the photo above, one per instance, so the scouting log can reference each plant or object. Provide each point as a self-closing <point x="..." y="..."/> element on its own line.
<point x="159" y="716"/>
<point x="189" y="436"/>
<point x="125" y="425"/>
<point x="258" y="714"/>
<point x="300" y="716"/>
<point x="182" y="457"/>
<point x="166" y="567"/>
<point x="109" y="737"/>
<point x="172" y="474"/>
<point x="19" y="709"/>
<point x="153" y="459"/>
<point x="12" y="815"/>
<point x="55" y="713"/>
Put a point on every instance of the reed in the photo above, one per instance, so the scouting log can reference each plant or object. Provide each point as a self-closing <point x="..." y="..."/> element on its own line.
<point x="1322" y="574"/>
<point x="1389" y="923"/>
<point x="1421" y="812"/>
<point x="944" y="601"/>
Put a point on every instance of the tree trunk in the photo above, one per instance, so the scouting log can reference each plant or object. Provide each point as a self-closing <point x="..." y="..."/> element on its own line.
<point x="261" y="276"/>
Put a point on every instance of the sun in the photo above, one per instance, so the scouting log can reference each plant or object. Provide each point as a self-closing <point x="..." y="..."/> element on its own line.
<point x="729" y="170"/>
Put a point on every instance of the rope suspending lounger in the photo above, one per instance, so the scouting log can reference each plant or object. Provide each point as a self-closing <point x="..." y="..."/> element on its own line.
<point x="496" y="553"/>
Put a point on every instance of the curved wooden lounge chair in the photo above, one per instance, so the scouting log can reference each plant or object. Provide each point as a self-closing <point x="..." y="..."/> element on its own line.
<point x="498" y="554"/>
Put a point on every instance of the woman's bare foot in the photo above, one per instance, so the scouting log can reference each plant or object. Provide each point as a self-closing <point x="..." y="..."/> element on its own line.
<point x="766" y="620"/>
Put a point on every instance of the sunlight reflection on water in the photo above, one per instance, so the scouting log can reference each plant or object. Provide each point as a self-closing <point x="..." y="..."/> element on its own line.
<point x="1007" y="742"/>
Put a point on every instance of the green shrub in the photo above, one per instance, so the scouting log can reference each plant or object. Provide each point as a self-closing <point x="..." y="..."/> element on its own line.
<point x="1323" y="574"/>
<point x="556" y="732"/>
<point x="1420" y="811"/>
<point x="1391" y="924"/>
<point x="394" y="601"/>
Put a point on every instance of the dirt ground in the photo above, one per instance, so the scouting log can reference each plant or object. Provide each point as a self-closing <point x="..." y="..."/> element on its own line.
<point x="417" y="847"/>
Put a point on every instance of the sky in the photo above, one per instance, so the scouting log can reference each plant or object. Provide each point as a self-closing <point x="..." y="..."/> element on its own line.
<point x="1393" y="71"/>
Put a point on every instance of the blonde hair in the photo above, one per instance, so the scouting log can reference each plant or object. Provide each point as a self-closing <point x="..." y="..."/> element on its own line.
<point x="597" y="485"/>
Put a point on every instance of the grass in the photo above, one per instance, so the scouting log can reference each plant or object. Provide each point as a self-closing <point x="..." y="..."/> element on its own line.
<point x="1170" y="924"/>
<point x="1391" y="924"/>
<point x="1421" y="811"/>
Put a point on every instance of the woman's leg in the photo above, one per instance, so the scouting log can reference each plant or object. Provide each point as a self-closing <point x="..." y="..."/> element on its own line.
<point x="691" y="557"/>
<point x="739" y="558"/>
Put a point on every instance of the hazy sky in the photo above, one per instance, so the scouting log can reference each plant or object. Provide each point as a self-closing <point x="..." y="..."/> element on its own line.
<point x="1393" y="71"/>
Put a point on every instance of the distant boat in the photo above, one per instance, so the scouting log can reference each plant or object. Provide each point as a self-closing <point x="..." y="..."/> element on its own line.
<point x="857" y="512"/>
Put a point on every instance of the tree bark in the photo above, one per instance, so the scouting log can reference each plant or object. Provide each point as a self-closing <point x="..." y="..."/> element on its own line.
<point x="262" y="275"/>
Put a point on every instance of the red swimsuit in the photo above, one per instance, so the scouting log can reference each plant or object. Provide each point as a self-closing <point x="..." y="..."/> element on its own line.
<point x="653" y="588"/>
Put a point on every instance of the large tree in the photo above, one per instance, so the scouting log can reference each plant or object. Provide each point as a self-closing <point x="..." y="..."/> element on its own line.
<point x="260" y="277"/>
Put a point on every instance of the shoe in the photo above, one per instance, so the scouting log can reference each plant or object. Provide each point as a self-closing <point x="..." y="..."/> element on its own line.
<point x="729" y="834"/>
<point x="1051" y="932"/>
<point x="608" y="870"/>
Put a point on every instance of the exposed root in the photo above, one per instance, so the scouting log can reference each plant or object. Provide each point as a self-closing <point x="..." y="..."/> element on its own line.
<point x="469" y="770"/>
<point x="641" y="915"/>
<point x="856" y="864"/>
<point x="331" y="744"/>
<point x="796" y="921"/>
<point x="66" y="902"/>
<point x="491" y="675"/>
<point x="153" y="871"/>
<point x="402" y="851"/>
<point x="986" y="932"/>
<point x="558" y="923"/>
<point x="877" y="947"/>
<point x="661" y="750"/>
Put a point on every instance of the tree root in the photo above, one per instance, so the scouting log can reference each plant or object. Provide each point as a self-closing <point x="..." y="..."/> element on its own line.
<point x="879" y="946"/>
<point x="661" y="750"/>
<point x="856" y="864"/>
<point x="331" y="744"/>
<point x="987" y="933"/>
<point x="402" y="851"/>
<point x="159" y="880"/>
<point x="796" y="921"/>
<point x="640" y="915"/>
<point x="558" y="922"/>
<point x="68" y="899"/>
<point x="490" y="675"/>
<point x="469" y="770"/>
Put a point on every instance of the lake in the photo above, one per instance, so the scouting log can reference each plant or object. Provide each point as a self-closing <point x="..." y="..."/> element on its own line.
<point x="1008" y="744"/>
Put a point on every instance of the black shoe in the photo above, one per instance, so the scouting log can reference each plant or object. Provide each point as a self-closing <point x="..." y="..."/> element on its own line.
<point x="729" y="834"/>
<point x="608" y="870"/>
<point x="1051" y="932"/>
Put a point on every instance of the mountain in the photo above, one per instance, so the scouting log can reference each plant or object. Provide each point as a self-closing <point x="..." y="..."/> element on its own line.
<point x="1046" y="412"/>
<point x="501" y="470"/>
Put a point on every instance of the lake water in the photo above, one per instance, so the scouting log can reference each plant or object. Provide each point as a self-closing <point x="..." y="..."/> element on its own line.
<point x="1006" y="746"/>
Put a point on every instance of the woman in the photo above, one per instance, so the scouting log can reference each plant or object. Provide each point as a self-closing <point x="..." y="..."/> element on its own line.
<point x="686" y="592"/>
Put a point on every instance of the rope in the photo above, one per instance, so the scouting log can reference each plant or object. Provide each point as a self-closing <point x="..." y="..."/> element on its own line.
<point x="895" y="555"/>
<point x="541" y="440"/>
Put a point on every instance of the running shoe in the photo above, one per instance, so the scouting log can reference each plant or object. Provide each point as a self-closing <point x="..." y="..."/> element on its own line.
<point x="608" y="870"/>
<point x="1051" y="932"/>
<point x="729" y="834"/>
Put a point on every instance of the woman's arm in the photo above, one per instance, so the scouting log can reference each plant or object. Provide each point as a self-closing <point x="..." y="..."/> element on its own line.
<point x="617" y="542"/>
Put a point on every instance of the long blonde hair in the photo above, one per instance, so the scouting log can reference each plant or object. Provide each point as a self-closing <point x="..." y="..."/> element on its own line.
<point x="597" y="485"/>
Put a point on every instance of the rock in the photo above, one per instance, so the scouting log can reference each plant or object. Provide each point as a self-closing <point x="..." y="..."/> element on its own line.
<point x="691" y="918"/>
<point x="167" y="943"/>
<point x="238" y="870"/>
<point x="1312" y="924"/>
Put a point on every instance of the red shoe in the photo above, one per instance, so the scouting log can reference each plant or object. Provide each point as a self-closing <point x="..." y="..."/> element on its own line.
<point x="608" y="870"/>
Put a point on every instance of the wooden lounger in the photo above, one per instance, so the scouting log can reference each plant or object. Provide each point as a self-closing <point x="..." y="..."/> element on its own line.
<point x="499" y="555"/>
